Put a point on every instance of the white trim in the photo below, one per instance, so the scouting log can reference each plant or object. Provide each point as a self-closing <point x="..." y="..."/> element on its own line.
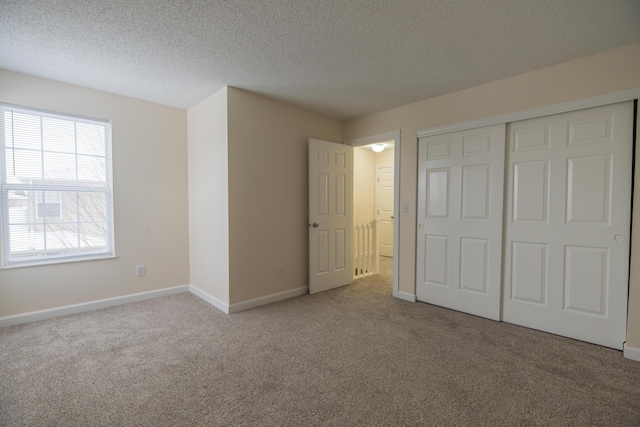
<point x="222" y="306"/>
<point x="373" y="139"/>
<point x="407" y="296"/>
<point x="257" y="302"/>
<point x="35" y="316"/>
<point x="366" y="140"/>
<point x="631" y="352"/>
<point x="580" y="104"/>
<point x="55" y="261"/>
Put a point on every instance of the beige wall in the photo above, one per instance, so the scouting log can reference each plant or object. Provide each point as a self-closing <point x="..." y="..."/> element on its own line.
<point x="268" y="192"/>
<point x="150" y="201"/>
<point x="209" y="196"/>
<point x="364" y="175"/>
<point x="385" y="158"/>
<point x="606" y="72"/>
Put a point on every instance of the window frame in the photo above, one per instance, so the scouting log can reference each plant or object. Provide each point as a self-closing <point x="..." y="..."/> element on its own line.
<point x="50" y="185"/>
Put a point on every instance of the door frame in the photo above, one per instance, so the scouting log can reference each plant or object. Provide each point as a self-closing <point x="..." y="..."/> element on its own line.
<point x="373" y="139"/>
<point x="565" y="107"/>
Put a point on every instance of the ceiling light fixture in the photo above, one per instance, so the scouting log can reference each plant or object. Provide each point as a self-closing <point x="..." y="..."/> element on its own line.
<point x="377" y="147"/>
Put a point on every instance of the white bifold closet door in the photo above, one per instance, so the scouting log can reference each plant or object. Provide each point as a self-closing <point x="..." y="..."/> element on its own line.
<point x="460" y="205"/>
<point x="567" y="232"/>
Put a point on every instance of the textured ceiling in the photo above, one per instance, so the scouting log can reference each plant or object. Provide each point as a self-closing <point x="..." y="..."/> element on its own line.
<point x="343" y="58"/>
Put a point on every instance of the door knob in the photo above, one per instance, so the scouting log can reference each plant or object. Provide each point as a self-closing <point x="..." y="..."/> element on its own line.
<point x="315" y="225"/>
<point x="618" y="237"/>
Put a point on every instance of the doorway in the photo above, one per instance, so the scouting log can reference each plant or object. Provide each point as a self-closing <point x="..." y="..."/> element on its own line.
<point x="375" y="196"/>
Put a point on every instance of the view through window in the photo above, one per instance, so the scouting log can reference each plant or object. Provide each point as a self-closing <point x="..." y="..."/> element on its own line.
<point x="55" y="187"/>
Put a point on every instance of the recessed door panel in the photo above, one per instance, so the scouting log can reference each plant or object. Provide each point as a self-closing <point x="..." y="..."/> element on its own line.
<point x="435" y="262"/>
<point x="535" y="138"/>
<point x="322" y="192"/>
<point x="529" y="272"/>
<point x="531" y="191"/>
<point x="322" y="252"/>
<point x="589" y="185"/>
<point x="476" y="191"/>
<point x="589" y="131"/>
<point x="322" y="157"/>
<point x="340" y="249"/>
<point x="474" y="145"/>
<point x="340" y="195"/>
<point x="474" y="264"/>
<point x="586" y="277"/>
<point x="438" y="194"/>
<point x="438" y="149"/>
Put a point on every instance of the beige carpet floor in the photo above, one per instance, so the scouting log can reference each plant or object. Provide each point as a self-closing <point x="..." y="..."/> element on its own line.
<point x="354" y="356"/>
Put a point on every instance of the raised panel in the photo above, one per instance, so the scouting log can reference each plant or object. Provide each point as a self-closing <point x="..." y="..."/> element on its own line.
<point x="437" y="150"/>
<point x="591" y="131"/>
<point x="474" y="258"/>
<point x="340" y="251"/>
<point x="436" y="262"/>
<point x="341" y="160"/>
<point x="323" y="252"/>
<point x="341" y="194"/>
<point x="531" y="191"/>
<point x="323" y="194"/>
<point x="529" y="272"/>
<point x="323" y="158"/>
<point x="586" y="279"/>
<point x="476" y="145"/>
<point x="438" y="193"/>
<point x="531" y="139"/>
<point x="588" y="189"/>
<point x="476" y="192"/>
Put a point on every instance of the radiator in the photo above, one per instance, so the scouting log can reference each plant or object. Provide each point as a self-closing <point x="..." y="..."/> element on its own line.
<point x="365" y="249"/>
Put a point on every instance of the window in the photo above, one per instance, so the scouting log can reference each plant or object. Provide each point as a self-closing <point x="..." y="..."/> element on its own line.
<point x="55" y="187"/>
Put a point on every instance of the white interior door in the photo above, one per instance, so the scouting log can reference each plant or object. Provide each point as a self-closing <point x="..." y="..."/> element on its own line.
<point x="384" y="209"/>
<point x="568" y="223"/>
<point x="330" y="215"/>
<point x="460" y="195"/>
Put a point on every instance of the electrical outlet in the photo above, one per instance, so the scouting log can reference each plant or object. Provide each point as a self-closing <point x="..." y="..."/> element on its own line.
<point x="405" y="207"/>
<point x="281" y="271"/>
<point x="139" y="270"/>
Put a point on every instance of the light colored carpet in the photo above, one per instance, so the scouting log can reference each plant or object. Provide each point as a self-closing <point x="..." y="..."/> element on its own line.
<point x="354" y="356"/>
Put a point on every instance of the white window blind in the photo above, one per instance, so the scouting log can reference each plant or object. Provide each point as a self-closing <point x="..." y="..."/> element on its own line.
<point x="55" y="187"/>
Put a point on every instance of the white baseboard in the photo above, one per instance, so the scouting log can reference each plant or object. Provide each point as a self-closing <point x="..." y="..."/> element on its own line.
<point x="220" y="305"/>
<point x="631" y="352"/>
<point x="88" y="306"/>
<point x="406" y="296"/>
<point x="246" y="305"/>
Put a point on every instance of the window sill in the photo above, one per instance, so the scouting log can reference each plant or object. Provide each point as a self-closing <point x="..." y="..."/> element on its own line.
<point x="57" y="261"/>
